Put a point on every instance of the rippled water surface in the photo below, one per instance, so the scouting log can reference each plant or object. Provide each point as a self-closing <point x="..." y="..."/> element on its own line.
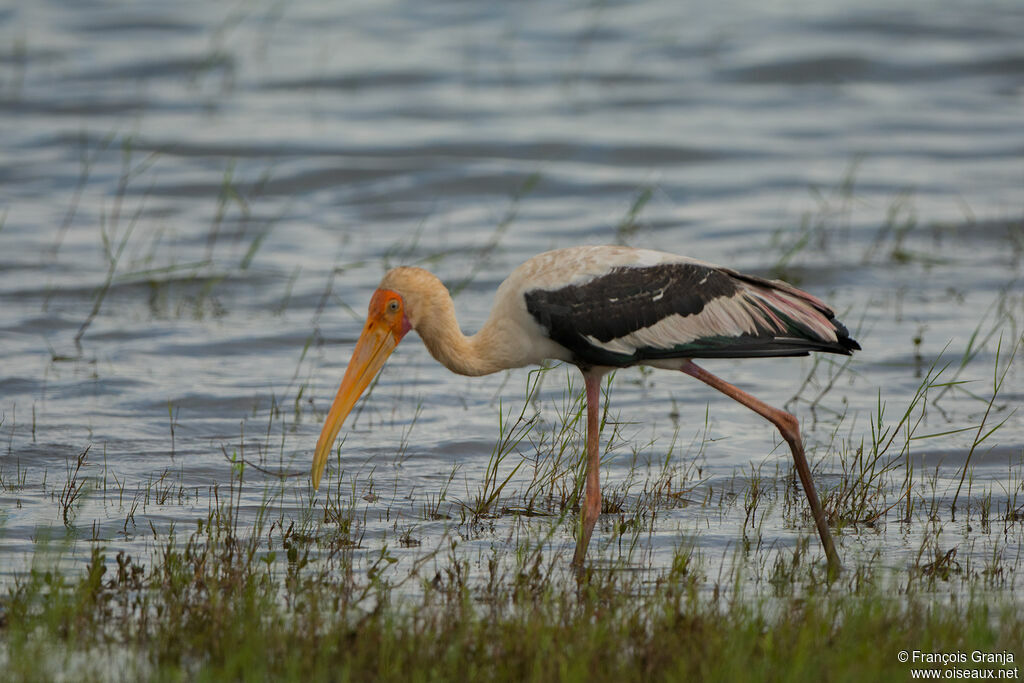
<point x="198" y="199"/>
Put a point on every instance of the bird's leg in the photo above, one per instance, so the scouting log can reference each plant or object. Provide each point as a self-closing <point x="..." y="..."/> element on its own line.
<point x="790" y="430"/>
<point x="591" y="506"/>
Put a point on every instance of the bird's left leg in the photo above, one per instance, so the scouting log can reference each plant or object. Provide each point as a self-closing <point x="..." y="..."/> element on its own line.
<point x="591" y="506"/>
<point x="790" y="430"/>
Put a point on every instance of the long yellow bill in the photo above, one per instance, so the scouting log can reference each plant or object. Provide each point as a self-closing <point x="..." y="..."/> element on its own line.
<point x="385" y="326"/>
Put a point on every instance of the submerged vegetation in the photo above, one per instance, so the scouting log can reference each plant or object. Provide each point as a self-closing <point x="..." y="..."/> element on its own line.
<point x="218" y="606"/>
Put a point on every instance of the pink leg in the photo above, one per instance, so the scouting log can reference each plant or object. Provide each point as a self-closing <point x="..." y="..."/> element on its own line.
<point x="591" y="506"/>
<point x="790" y="430"/>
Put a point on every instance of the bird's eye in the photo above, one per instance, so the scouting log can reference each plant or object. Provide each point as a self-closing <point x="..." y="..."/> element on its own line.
<point x="393" y="305"/>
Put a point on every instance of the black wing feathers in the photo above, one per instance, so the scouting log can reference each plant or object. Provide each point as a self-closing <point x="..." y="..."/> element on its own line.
<point x="631" y="298"/>
<point x="627" y="299"/>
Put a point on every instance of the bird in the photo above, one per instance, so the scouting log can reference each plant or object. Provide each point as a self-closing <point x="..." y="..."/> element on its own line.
<point x="601" y="308"/>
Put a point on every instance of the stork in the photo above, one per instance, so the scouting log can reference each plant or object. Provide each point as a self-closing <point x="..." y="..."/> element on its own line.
<point x="602" y="308"/>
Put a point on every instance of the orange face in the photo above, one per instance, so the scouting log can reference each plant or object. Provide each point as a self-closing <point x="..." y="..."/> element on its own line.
<point x="386" y="324"/>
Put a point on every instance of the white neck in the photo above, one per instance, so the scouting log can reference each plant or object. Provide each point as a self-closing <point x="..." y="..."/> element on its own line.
<point x="480" y="354"/>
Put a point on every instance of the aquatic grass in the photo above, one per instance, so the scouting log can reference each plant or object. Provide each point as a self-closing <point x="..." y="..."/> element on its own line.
<point x="432" y="508"/>
<point x="75" y="487"/>
<point x="501" y="227"/>
<point x="203" y="609"/>
<point x="557" y="448"/>
<point x="509" y="438"/>
<point x="835" y="370"/>
<point x="998" y="379"/>
<point x="900" y="238"/>
<point x="819" y="229"/>
<point x="867" y="467"/>
<point x="891" y="235"/>
<point x="86" y="161"/>
<point x="14" y="481"/>
<point x="135" y="248"/>
<point x="402" y="454"/>
<point x="113" y="253"/>
<point x="977" y="343"/>
<point x="263" y="594"/>
<point x="629" y="224"/>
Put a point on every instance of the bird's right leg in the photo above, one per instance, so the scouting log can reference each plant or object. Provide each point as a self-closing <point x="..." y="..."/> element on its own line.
<point x="591" y="506"/>
<point x="790" y="430"/>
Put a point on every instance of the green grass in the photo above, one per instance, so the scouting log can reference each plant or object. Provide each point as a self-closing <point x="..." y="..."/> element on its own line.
<point x="285" y="593"/>
<point x="210" y="610"/>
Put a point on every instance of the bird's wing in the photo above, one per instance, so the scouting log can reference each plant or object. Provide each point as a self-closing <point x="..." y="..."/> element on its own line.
<point x="686" y="309"/>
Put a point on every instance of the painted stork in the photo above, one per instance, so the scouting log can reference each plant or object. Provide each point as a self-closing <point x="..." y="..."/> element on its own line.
<point x="601" y="308"/>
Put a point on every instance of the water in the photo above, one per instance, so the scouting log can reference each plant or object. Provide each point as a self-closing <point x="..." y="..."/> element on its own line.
<point x="225" y="185"/>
